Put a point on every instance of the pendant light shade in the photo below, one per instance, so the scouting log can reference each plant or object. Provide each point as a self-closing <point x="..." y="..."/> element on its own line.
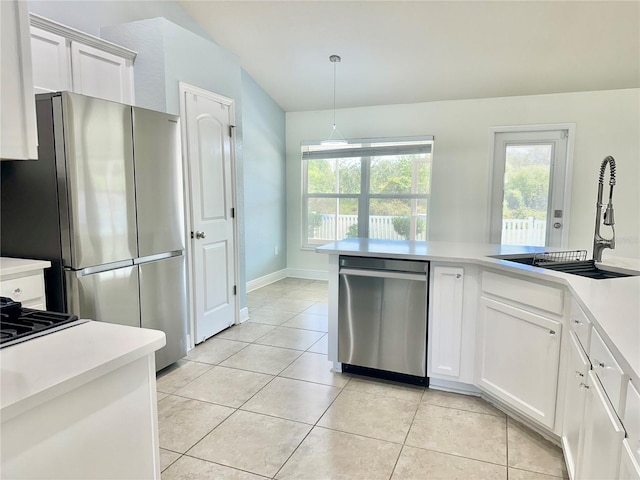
<point x="335" y="139"/>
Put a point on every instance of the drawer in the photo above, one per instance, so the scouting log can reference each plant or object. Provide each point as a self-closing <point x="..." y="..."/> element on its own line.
<point x="543" y="297"/>
<point x="631" y="419"/>
<point x="24" y="288"/>
<point x="580" y="325"/>
<point x="613" y="379"/>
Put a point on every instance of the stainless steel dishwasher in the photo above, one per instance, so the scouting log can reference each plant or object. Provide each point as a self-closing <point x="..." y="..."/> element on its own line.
<point x="382" y="316"/>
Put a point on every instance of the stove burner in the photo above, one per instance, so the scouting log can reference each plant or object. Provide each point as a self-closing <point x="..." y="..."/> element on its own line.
<point x="18" y="324"/>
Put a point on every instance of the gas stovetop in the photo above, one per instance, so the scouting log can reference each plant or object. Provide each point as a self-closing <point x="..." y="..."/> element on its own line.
<point x="18" y="324"/>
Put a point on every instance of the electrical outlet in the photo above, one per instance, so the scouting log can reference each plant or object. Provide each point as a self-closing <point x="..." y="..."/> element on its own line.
<point x="276" y="250"/>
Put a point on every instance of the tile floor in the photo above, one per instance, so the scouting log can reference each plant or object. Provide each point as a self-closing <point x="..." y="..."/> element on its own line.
<point x="258" y="400"/>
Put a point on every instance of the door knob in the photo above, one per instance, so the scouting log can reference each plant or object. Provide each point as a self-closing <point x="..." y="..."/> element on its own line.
<point x="200" y="234"/>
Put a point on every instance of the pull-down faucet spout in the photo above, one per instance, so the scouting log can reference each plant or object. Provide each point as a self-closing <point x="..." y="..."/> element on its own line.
<point x="599" y="242"/>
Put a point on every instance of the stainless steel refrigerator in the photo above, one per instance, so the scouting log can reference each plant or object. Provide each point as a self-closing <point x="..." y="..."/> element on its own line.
<point x="104" y="203"/>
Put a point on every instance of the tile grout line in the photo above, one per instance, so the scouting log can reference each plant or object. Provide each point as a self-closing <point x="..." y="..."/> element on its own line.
<point x="310" y="430"/>
<point x="506" y="437"/>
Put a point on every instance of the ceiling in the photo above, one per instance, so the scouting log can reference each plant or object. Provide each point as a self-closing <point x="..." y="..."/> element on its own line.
<point x="396" y="52"/>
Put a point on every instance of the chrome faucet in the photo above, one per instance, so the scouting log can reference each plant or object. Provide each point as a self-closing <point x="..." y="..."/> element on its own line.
<point x="599" y="242"/>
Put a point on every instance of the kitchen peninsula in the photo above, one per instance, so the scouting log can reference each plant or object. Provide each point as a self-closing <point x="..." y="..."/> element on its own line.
<point x="528" y="339"/>
<point x="81" y="403"/>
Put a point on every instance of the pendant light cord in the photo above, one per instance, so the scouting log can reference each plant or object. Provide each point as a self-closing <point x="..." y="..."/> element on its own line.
<point x="334" y="95"/>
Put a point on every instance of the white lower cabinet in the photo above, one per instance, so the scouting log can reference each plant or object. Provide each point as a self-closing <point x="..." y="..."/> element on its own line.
<point x="601" y="437"/>
<point x="22" y="280"/>
<point x="575" y="396"/>
<point x="445" y="326"/>
<point x="518" y="359"/>
<point x="629" y="466"/>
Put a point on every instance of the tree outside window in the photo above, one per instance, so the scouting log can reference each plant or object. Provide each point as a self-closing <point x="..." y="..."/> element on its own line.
<point x="377" y="189"/>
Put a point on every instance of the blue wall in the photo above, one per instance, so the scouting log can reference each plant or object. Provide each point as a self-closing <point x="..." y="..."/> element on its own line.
<point x="265" y="214"/>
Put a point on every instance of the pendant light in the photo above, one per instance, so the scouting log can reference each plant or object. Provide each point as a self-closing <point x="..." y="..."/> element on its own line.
<point x="335" y="139"/>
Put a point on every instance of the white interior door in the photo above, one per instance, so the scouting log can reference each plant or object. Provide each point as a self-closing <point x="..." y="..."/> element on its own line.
<point x="208" y="132"/>
<point x="530" y="186"/>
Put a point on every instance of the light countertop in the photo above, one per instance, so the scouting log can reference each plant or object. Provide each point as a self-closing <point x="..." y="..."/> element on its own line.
<point x="40" y="369"/>
<point x="613" y="305"/>
<point x="13" y="266"/>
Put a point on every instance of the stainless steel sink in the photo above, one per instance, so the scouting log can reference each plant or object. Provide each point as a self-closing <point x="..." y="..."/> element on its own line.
<point x="584" y="268"/>
<point x="587" y="268"/>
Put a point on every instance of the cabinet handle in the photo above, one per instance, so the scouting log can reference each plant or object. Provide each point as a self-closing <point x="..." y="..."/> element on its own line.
<point x="458" y="275"/>
<point x="552" y="333"/>
<point x="598" y="363"/>
<point x="17" y="291"/>
<point x="577" y="322"/>
<point x="579" y="374"/>
<point x="584" y="385"/>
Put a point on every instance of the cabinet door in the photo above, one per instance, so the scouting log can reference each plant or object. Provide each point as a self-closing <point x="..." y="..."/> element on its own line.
<point x="50" y="56"/>
<point x="518" y="356"/>
<point x="602" y="436"/>
<point x="445" y="324"/>
<point x="18" y="138"/>
<point x="575" y="396"/>
<point x="629" y="466"/>
<point x="100" y="74"/>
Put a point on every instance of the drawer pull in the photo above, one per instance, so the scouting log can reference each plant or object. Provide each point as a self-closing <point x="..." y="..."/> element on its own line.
<point x="579" y="374"/>
<point x="577" y="322"/>
<point x="584" y="385"/>
<point x="598" y="363"/>
<point x="552" y="333"/>
<point x="17" y="291"/>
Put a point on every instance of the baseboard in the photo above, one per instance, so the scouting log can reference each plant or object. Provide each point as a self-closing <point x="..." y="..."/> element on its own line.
<point x="284" y="273"/>
<point x="266" y="280"/>
<point x="454" y="387"/>
<point x="244" y="314"/>
<point x="308" y="274"/>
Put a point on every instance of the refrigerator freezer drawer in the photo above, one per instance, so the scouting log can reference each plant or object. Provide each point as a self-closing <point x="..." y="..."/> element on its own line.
<point x="108" y="296"/>
<point x="163" y="305"/>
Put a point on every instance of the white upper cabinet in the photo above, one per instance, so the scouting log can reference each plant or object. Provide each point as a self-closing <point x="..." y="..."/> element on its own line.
<point x="51" y="61"/>
<point x="19" y="138"/>
<point x="67" y="59"/>
<point x="100" y="74"/>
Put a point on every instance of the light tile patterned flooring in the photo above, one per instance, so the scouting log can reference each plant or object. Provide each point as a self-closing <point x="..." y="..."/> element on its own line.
<point x="258" y="400"/>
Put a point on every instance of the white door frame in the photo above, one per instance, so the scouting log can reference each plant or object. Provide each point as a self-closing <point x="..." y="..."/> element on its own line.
<point x="184" y="89"/>
<point x="568" y="174"/>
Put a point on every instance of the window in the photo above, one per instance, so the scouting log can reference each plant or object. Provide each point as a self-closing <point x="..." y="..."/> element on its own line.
<point x="375" y="188"/>
<point x="529" y="190"/>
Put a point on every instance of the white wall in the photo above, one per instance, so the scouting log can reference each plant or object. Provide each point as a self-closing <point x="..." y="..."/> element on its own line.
<point x="607" y="123"/>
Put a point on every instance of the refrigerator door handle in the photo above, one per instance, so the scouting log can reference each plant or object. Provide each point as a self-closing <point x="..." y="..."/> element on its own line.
<point x="159" y="256"/>
<point x="101" y="268"/>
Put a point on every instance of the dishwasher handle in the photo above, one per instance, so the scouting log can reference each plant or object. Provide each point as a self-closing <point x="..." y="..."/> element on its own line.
<point x="421" y="277"/>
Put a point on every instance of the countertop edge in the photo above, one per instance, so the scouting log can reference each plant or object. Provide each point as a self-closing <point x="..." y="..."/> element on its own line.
<point x="147" y="343"/>
<point x="16" y="266"/>
<point x="575" y="286"/>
